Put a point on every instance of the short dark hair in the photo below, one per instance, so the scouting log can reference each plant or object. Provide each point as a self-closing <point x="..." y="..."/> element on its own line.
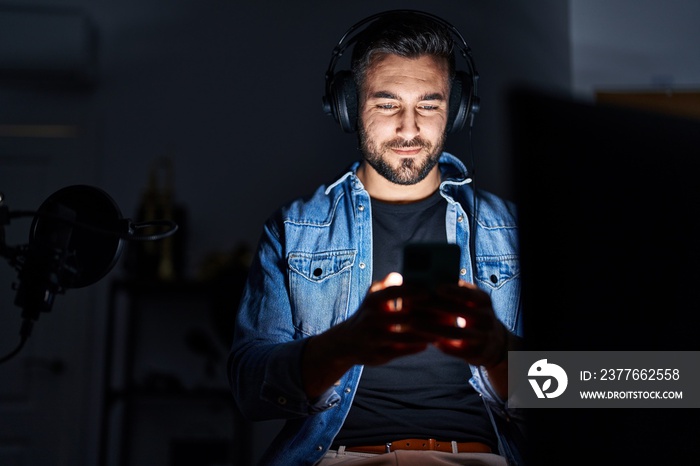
<point x="405" y="33"/>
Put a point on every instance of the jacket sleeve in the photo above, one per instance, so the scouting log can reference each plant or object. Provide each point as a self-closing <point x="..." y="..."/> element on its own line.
<point x="480" y="379"/>
<point x="264" y="364"/>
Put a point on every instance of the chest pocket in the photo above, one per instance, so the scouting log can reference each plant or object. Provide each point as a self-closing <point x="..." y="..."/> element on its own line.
<point x="319" y="288"/>
<point x="500" y="277"/>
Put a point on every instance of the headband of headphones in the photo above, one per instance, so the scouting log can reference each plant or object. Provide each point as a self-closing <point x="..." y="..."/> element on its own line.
<point x="340" y="100"/>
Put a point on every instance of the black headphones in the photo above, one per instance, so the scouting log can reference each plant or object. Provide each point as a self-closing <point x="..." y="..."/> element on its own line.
<point x="340" y="100"/>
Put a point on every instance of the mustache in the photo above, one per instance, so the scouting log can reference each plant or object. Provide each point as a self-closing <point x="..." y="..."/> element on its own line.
<point x="406" y="144"/>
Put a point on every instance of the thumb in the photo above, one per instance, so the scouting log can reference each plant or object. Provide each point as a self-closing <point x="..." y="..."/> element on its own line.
<point x="392" y="279"/>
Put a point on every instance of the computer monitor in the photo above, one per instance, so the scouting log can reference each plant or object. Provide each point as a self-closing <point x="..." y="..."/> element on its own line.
<point x="609" y="213"/>
<point x="609" y="217"/>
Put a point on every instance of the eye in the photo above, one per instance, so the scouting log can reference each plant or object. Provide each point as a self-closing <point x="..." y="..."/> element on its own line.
<point x="386" y="106"/>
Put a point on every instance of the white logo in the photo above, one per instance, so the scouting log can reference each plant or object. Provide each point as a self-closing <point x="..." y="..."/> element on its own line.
<point x="548" y="371"/>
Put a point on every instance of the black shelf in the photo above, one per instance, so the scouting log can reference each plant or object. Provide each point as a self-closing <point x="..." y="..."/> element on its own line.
<point x="165" y="389"/>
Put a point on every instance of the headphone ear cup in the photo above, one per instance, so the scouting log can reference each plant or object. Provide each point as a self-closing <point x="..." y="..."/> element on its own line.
<point x="460" y="102"/>
<point x="343" y="100"/>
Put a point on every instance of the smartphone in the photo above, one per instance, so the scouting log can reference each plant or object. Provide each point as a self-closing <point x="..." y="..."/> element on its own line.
<point x="430" y="264"/>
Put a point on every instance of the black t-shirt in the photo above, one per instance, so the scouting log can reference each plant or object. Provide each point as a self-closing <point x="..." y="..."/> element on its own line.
<point x="425" y="395"/>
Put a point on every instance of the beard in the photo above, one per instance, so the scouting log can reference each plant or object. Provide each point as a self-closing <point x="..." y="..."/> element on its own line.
<point x="409" y="170"/>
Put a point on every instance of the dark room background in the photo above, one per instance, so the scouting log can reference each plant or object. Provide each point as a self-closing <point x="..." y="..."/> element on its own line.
<point x="219" y="101"/>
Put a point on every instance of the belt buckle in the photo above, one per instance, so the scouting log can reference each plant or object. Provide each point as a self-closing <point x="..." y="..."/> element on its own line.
<point x="387" y="447"/>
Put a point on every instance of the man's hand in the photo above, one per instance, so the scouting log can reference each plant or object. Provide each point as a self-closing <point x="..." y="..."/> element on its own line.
<point x="381" y="329"/>
<point x="377" y="333"/>
<point x="467" y="326"/>
<point x="395" y="320"/>
<point x="462" y="321"/>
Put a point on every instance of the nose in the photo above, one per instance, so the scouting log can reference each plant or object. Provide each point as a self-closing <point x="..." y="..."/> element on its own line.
<point x="408" y="124"/>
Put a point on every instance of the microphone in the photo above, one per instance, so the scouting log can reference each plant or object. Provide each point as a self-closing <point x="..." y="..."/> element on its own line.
<point x="74" y="241"/>
<point x="48" y="267"/>
<point x="76" y="238"/>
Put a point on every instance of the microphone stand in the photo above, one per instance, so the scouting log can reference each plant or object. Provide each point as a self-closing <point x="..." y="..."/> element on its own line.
<point x="15" y="257"/>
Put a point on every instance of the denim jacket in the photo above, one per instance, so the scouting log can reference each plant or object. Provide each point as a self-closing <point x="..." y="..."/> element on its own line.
<point x="313" y="268"/>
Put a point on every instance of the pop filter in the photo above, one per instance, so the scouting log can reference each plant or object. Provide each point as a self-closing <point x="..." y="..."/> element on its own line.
<point x="87" y="223"/>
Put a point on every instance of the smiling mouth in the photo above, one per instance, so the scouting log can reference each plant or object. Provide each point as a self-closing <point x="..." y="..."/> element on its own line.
<point x="407" y="150"/>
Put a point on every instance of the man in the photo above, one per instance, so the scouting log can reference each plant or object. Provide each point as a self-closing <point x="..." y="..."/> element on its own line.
<point x="364" y="369"/>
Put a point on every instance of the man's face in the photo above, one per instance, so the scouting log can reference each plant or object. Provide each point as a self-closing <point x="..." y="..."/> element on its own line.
<point x="403" y="116"/>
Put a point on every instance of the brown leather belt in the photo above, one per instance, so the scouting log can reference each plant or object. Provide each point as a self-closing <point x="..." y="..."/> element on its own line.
<point x="422" y="444"/>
